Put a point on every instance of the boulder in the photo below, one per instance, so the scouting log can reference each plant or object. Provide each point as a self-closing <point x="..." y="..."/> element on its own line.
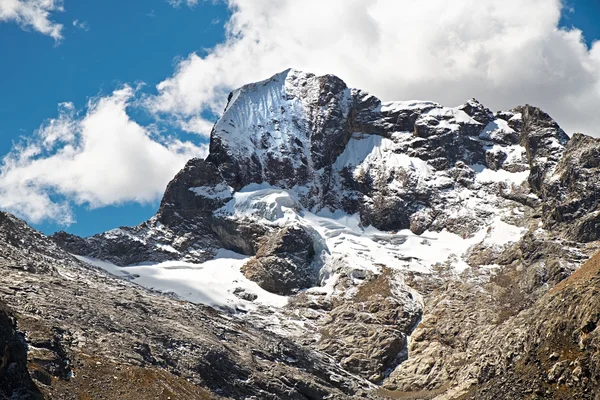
<point x="284" y="262"/>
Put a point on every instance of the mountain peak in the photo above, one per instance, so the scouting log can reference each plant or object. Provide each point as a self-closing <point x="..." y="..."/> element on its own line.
<point x="292" y="123"/>
<point x="402" y="218"/>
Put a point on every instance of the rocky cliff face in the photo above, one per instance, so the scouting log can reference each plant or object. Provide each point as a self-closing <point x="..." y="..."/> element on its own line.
<point x="405" y="244"/>
<point x="15" y="381"/>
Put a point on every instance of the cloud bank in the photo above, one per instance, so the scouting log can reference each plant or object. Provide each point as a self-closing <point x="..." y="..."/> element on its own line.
<point x="33" y="14"/>
<point x="97" y="159"/>
<point x="503" y="52"/>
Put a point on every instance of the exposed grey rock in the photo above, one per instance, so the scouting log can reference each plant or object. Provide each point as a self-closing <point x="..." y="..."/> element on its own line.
<point x="544" y="142"/>
<point x="15" y="382"/>
<point x="477" y="111"/>
<point x="285" y="262"/>
<point x="572" y="198"/>
<point x="368" y="335"/>
<point x="181" y="202"/>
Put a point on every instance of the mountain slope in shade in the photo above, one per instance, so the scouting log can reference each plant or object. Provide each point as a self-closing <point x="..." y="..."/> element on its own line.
<point x="400" y="239"/>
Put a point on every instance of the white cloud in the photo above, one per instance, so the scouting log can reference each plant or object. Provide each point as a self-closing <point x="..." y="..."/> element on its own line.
<point x="197" y="125"/>
<point x="33" y="14"/>
<point x="83" y="25"/>
<point x="447" y="51"/>
<point x="177" y="3"/>
<point x="97" y="159"/>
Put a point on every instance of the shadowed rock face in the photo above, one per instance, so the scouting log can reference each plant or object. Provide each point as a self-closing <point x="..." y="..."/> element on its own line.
<point x="467" y="326"/>
<point x="186" y="203"/>
<point x="571" y="199"/>
<point x="15" y="381"/>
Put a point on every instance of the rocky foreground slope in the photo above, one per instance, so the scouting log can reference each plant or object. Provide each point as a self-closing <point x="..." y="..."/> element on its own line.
<point x="349" y="248"/>
<point x="84" y="334"/>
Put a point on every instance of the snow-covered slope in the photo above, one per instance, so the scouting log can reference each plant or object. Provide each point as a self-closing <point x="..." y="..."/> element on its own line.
<point x="283" y="128"/>
<point x="217" y="283"/>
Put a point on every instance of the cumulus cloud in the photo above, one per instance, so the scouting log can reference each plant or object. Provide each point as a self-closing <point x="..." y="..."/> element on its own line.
<point x="503" y="52"/>
<point x="33" y="14"/>
<point x="96" y="159"/>
<point x="177" y="3"/>
<point x="197" y="125"/>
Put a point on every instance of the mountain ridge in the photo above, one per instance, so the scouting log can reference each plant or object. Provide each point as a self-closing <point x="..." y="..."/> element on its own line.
<point x="404" y="236"/>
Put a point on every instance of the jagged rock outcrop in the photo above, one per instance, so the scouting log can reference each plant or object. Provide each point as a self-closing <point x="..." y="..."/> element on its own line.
<point x="195" y="192"/>
<point x="369" y="333"/>
<point x="550" y="349"/>
<point x="15" y="382"/>
<point x="571" y="197"/>
<point x="458" y="342"/>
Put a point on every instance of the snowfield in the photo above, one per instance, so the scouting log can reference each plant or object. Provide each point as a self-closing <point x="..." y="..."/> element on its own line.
<point x="212" y="283"/>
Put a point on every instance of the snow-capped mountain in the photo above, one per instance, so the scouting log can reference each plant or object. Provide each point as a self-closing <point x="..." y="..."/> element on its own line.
<point x="399" y="239"/>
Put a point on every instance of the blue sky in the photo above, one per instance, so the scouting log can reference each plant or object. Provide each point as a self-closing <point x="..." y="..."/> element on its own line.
<point x="123" y="42"/>
<point x="116" y="42"/>
<point x="584" y="15"/>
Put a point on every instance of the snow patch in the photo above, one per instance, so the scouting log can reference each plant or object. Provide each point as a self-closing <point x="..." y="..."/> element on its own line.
<point x="395" y="106"/>
<point x="486" y="175"/>
<point x="367" y="248"/>
<point x="364" y="151"/>
<point x="457" y="115"/>
<point x="345" y="241"/>
<point x="167" y="248"/>
<point x="501" y="233"/>
<point x="268" y="119"/>
<point x="212" y="283"/>
<point x="495" y="129"/>
<point x="262" y="201"/>
<point x="219" y="191"/>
